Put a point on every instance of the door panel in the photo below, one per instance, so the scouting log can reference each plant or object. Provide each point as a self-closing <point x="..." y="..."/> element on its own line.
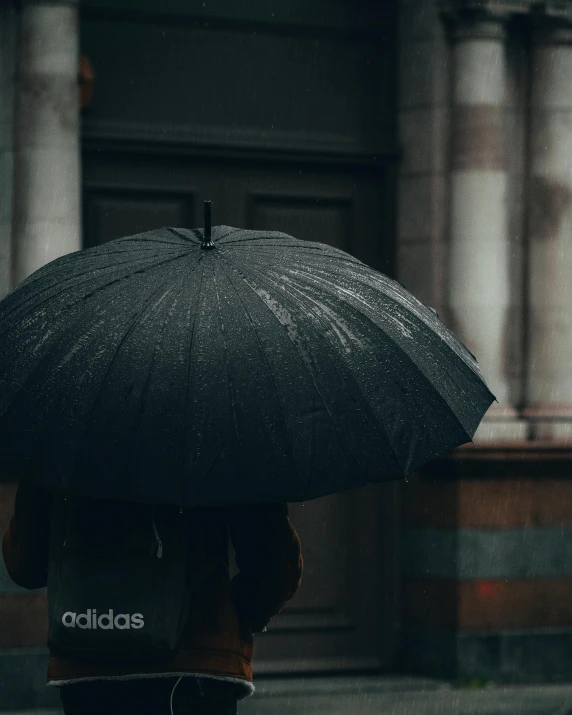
<point x="314" y="219"/>
<point x="343" y="616"/>
<point x="111" y="213"/>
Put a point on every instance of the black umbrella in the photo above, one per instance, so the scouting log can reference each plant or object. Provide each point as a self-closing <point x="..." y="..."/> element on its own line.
<point x="167" y="367"/>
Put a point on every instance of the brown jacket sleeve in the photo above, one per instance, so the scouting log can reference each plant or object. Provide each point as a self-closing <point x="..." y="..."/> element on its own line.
<point x="268" y="556"/>
<point x="25" y="543"/>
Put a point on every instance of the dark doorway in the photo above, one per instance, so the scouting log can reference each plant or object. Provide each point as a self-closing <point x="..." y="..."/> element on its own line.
<point x="284" y="116"/>
<point x="343" y="615"/>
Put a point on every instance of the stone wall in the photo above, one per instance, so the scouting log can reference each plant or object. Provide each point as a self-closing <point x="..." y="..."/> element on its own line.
<point x="487" y="566"/>
<point x="484" y="236"/>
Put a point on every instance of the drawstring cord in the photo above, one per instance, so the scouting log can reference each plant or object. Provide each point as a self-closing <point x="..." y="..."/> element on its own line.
<point x="172" y="691"/>
<point x="158" y="538"/>
<point x="66" y="523"/>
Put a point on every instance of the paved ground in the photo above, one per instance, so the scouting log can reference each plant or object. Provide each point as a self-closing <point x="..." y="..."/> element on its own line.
<point x="366" y="695"/>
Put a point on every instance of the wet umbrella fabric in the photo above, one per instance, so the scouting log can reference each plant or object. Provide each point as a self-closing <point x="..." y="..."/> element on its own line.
<point x="266" y="369"/>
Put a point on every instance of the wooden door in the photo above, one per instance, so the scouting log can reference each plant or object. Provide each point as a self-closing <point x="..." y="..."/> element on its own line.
<point x="344" y="614"/>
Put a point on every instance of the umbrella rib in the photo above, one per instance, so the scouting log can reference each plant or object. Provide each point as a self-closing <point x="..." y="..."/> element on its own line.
<point x="188" y="391"/>
<point x="156" y="345"/>
<point x="449" y="338"/>
<point x="198" y="234"/>
<point x="127" y="241"/>
<point x="316" y="389"/>
<point x="327" y="287"/>
<point x="269" y="371"/>
<point x="318" y="315"/>
<point x="78" y="301"/>
<point x="62" y="394"/>
<point x="313" y="250"/>
<point x="130" y="329"/>
<point x="76" y="283"/>
<point x="69" y="329"/>
<point x="462" y="361"/>
<point x="194" y="231"/>
<point x="222" y="445"/>
<point x="85" y="256"/>
<point x="147" y="378"/>
<point x="247" y="231"/>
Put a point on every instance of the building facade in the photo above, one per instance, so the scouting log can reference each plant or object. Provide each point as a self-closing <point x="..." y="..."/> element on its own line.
<point x="431" y="140"/>
<point x="484" y="235"/>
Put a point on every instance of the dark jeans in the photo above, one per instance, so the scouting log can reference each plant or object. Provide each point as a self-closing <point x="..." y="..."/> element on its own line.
<point x="150" y="696"/>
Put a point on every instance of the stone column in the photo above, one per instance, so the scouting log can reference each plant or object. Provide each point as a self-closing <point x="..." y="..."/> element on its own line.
<point x="8" y="18"/>
<point x="549" y="378"/>
<point x="478" y="286"/>
<point x="46" y="207"/>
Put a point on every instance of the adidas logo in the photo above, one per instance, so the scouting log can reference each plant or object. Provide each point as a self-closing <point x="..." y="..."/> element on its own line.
<point x="90" y="619"/>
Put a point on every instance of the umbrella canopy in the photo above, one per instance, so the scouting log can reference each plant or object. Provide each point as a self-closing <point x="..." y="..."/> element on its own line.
<point x="264" y="369"/>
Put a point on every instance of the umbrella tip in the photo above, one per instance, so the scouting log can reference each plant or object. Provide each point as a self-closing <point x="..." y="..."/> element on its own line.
<point x="207" y="243"/>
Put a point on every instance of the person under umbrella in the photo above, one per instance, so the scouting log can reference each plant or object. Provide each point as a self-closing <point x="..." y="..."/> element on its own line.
<point x="236" y="372"/>
<point x="211" y="668"/>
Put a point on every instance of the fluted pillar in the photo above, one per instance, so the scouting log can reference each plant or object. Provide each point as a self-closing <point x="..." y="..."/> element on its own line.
<point x="478" y="285"/>
<point x="549" y="374"/>
<point x="8" y="19"/>
<point x="46" y="206"/>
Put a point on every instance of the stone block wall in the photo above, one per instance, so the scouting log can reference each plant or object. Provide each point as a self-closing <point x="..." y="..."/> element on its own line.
<point x="487" y="566"/>
<point x="487" y="531"/>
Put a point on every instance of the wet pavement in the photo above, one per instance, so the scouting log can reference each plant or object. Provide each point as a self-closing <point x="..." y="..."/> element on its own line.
<point x="391" y="695"/>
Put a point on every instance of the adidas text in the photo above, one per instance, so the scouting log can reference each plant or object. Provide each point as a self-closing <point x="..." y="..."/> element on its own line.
<point x="90" y="619"/>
